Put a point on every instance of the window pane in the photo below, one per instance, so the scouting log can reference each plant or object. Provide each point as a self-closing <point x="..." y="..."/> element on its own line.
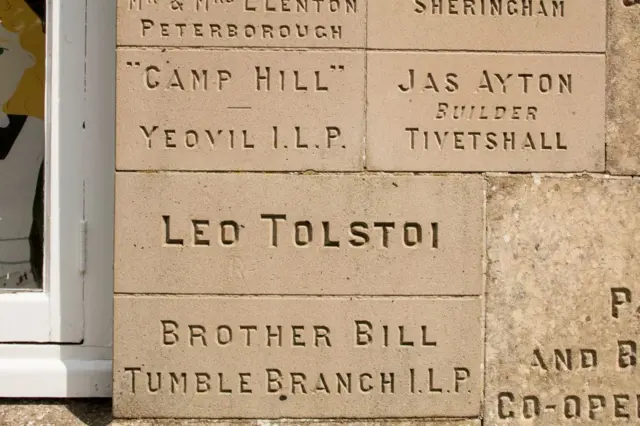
<point x="22" y="143"/>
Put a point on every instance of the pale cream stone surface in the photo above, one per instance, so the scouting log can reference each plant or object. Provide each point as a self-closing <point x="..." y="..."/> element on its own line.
<point x="245" y="23"/>
<point x="240" y="110"/>
<point x="563" y="275"/>
<point x="411" y="24"/>
<point x="298" y="234"/>
<point x="97" y="412"/>
<point x="450" y="112"/>
<point x="298" y="422"/>
<point x="419" y="357"/>
<point x="623" y="106"/>
<point x="55" y="412"/>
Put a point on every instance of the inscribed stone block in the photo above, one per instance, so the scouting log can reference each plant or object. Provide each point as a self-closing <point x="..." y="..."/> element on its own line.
<point x="562" y="301"/>
<point x="485" y="112"/>
<point x="239" y="357"/>
<point x="489" y="25"/>
<point x="242" y="23"/>
<point x="237" y="233"/>
<point x="240" y="110"/>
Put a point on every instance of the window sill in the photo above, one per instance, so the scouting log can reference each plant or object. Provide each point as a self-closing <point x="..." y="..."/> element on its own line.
<point x="55" y="371"/>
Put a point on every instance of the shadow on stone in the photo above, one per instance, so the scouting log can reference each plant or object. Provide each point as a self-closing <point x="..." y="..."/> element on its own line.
<point x="92" y="412"/>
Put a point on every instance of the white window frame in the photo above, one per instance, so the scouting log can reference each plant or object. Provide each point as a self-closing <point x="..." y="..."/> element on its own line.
<point x="37" y="316"/>
<point x="57" y="342"/>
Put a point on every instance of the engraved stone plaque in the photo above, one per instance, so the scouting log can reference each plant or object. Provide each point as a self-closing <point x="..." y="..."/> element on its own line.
<point x="488" y="25"/>
<point x="298" y="234"/>
<point x="297" y="357"/>
<point x="478" y="112"/>
<point x="233" y="110"/>
<point x="246" y="23"/>
<point x="563" y="309"/>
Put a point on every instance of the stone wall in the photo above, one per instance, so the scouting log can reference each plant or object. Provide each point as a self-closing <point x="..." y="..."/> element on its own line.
<point x="507" y="282"/>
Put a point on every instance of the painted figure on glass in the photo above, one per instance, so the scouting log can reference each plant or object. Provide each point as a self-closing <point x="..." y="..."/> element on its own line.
<point x="22" y="142"/>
